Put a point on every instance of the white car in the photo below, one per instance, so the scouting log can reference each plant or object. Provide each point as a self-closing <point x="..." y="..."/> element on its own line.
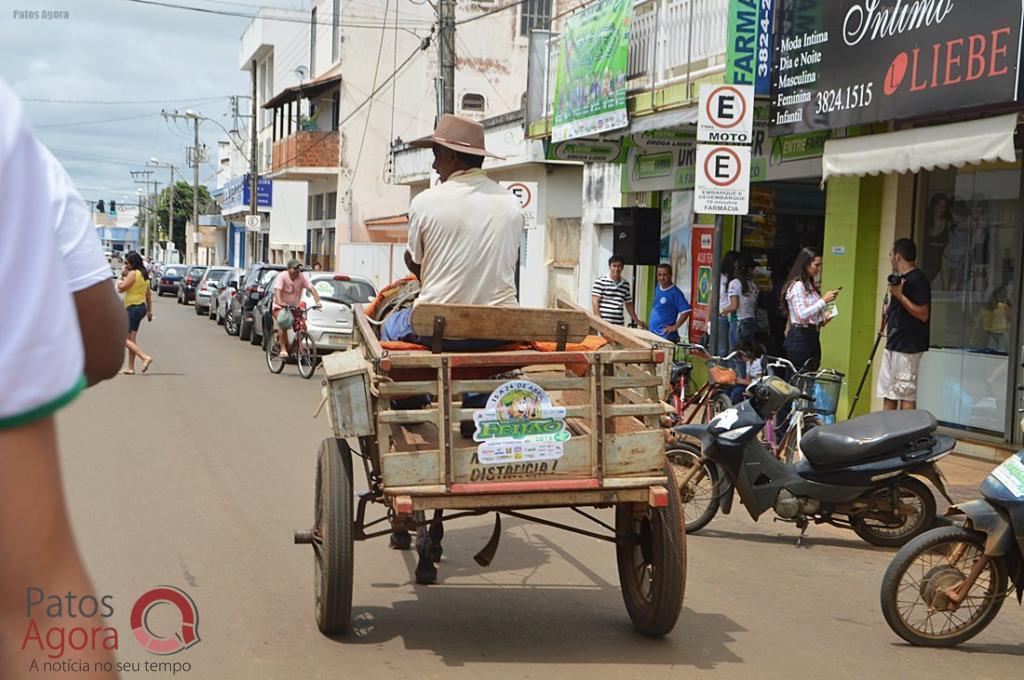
<point x="331" y="327"/>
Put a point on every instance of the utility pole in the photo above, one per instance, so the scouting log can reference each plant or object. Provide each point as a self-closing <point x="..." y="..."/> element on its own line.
<point x="142" y="177"/>
<point x="446" y="56"/>
<point x="195" y="157"/>
<point x="253" y="164"/>
<point x="195" y="193"/>
<point x="153" y="162"/>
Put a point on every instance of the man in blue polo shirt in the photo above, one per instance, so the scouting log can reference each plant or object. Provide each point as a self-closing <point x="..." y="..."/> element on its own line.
<point x="670" y="309"/>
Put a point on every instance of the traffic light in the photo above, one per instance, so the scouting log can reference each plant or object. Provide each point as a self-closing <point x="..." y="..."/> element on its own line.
<point x="100" y="206"/>
<point x="113" y="207"/>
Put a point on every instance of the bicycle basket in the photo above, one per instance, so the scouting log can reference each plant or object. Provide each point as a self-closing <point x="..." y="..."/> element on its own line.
<point x="825" y="386"/>
<point x="721" y="375"/>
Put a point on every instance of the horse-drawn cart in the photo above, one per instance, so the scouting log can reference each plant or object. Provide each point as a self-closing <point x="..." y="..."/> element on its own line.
<point x="571" y="420"/>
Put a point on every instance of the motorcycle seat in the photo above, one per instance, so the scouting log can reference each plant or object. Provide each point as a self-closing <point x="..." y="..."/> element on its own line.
<point x="876" y="435"/>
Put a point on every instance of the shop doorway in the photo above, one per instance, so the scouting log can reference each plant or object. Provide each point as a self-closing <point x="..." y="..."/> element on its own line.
<point x="784" y="218"/>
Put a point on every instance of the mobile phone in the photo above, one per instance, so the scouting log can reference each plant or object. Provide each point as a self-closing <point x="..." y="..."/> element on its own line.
<point x="839" y="289"/>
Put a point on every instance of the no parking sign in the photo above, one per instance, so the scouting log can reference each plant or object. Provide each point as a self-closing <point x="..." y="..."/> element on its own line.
<point x="722" y="185"/>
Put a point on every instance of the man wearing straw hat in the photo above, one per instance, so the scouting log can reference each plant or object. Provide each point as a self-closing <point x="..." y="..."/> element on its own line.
<point x="464" y="233"/>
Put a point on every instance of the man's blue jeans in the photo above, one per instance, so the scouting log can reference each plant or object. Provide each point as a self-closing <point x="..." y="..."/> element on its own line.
<point x="398" y="327"/>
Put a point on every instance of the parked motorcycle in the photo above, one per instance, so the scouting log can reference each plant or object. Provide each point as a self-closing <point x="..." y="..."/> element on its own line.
<point x="861" y="474"/>
<point x="947" y="585"/>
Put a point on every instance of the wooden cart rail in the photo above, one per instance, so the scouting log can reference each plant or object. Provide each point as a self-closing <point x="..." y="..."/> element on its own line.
<point x="611" y="397"/>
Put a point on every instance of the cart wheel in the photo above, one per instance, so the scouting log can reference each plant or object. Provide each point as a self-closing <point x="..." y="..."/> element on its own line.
<point x="651" y="554"/>
<point x="332" y="538"/>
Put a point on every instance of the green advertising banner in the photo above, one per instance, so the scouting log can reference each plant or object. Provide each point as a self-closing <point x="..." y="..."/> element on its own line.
<point x="741" y="45"/>
<point x="590" y="83"/>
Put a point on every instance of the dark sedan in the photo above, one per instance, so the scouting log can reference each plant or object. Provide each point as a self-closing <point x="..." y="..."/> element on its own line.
<point x="187" y="286"/>
<point x="169" y="277"/>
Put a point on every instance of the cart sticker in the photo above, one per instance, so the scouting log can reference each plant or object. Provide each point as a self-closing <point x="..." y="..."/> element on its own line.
<point x="519" y="424"/>
<point x="324" y="288"/>
<point x="1011" y="475"/>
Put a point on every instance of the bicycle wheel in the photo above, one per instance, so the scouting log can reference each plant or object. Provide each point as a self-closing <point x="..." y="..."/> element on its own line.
<point x="700" y="495"/>
<point x="718" y="402"/>
<point x="305" y="354"/>
<point x="275" y="362"/>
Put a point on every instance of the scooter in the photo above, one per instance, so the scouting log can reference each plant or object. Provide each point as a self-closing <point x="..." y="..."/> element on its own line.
<point x="947" y="585"/>
<point x="860" y="474"/>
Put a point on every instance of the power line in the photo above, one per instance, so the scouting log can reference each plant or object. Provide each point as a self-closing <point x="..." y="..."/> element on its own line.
<point x="493" y="11"/>
<point x="369" y="110"/>
<point x="122" y="102"/>
<point x="424" y="44"/>
<point x="244" y="15"/>
<point x="96" y="122"/>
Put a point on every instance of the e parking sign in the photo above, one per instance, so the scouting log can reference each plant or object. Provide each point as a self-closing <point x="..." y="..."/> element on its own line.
<point x="722" y="185"/>
<point x="726" y="114"/>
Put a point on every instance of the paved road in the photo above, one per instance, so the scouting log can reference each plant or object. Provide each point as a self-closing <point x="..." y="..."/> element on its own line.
<point x="195" y="474"/>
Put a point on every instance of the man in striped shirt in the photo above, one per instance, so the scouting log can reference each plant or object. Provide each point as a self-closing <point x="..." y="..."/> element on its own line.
<point x="611" y="293"/>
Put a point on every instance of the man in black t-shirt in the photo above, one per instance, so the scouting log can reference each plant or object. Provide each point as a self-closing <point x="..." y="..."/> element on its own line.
<point x="908" y="312"/>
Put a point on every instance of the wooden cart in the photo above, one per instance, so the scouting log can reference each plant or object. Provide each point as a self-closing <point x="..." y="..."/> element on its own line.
<point x="612" y="452"/>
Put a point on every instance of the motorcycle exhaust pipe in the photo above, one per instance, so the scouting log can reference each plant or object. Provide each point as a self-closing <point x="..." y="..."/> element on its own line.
<point x="486" y="554"/>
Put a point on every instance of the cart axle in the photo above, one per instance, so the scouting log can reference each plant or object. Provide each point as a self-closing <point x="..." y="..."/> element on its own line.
<point x="303" y="537"/>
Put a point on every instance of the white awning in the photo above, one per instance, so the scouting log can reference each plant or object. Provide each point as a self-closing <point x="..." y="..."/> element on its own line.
<point x="664" y="120"/>
<point x="926" y="148"/>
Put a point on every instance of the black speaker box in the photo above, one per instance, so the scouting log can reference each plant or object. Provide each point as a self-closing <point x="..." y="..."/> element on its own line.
<point x="638" y="235"/>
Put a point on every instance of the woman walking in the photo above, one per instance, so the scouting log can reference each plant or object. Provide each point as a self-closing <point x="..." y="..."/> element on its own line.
<point x="134" y="284"/>
<point x="806" y="308"/>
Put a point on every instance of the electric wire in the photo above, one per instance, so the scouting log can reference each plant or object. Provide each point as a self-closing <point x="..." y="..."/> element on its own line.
<point x="244" y="15"/>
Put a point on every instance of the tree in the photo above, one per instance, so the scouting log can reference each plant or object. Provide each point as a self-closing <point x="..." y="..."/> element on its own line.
<point x="182" y="210"/>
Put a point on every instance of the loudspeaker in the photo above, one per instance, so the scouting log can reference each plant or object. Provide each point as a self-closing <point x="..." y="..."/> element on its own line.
<point x="638" y="235"/>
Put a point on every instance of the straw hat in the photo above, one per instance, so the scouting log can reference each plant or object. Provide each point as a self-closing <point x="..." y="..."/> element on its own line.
<point x="457" y="134"/>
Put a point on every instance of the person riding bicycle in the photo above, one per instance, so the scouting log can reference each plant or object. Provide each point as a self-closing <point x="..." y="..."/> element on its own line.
<point x="287" y="292"/>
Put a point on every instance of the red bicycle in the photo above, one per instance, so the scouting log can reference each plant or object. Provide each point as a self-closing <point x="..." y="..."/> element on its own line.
<point x="300" y="348"/>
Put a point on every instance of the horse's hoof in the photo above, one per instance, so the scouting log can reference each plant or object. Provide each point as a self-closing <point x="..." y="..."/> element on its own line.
<point x="426" y="576"/>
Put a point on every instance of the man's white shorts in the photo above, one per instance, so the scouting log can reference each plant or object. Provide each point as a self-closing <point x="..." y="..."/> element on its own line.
<point x="897" y="378"/>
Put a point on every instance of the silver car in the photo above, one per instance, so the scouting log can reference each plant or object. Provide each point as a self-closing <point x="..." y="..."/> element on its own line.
<point x="331" y="327"/>
<point x="206" y="289"/>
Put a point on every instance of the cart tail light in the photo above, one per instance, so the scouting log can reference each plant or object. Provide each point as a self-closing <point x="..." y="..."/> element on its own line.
<point x="657" y="497"/>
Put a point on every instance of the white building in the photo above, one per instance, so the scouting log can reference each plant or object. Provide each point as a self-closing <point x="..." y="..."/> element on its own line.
<point x="329" y="132"/>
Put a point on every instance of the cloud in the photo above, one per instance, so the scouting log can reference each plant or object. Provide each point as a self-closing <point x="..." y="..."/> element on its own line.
<point x="117" y="50"/>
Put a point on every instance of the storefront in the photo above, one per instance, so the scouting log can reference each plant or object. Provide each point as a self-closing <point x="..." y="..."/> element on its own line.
<point x="929" y="154"/>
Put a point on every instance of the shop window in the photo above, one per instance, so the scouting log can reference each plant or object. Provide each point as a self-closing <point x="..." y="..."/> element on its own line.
<point x="331" y="209"/>
<point x="968" y="250"/>
<point x="473" y="103"/>
<point x="534" y="15"/>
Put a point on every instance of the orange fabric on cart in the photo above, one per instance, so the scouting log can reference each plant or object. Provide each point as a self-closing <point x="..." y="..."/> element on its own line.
<point x="386" y="292"/>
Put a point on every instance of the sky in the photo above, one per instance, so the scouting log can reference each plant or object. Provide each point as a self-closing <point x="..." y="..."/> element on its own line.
<point x="115" y="50"/>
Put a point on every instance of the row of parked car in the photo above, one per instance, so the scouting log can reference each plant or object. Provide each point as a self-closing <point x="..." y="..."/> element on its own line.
<point x="242" y="300"/>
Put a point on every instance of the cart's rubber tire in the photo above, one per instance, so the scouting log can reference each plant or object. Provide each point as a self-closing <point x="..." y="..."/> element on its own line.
<point x="305" y="355"/>
<point x="718" y="402"/>
<point x="904" y="560"/>
<point x="651" y="554"/>
<point x="922" y="522"/>
<point x="332" y="565"/>
<point x="706" y="490"/>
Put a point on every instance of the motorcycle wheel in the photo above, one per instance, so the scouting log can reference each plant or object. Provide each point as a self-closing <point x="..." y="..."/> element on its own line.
<point x="912" y="492"/>
<point x="912" y="600"/>
<point x="700" y="495"/>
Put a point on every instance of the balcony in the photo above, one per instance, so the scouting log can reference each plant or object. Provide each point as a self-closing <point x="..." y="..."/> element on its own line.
<point x="305" y="155"/>
<point x="673" y="44"/>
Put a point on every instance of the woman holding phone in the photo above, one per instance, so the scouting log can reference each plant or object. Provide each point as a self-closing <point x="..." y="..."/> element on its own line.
<point x="806" y="310"/>
<point x="134" y="284"/>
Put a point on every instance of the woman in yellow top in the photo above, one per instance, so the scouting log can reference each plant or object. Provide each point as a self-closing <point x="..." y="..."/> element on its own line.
<point x="134" y="284"/>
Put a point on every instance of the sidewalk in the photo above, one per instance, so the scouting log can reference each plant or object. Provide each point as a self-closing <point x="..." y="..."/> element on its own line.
<point x="964" y="474"/>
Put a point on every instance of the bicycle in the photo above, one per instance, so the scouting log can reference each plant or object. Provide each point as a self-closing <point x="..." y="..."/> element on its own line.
<point x="301" y="347"/>
<point x="700" y="496"/>
<point x="805" y="413"/>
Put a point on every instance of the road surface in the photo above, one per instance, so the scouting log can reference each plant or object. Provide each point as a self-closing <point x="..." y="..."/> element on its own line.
<point x="195" y="474"/>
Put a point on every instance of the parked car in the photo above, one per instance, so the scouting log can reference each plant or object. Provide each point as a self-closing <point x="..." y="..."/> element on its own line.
<point x="207" y="287"/>
<point x="222" y="282"/>
<point x="249" y="293"/>
<point x="227" y="289"/>
<point x="261" y="313"/>
<point x="155" y="273"/>
<point x="187" y="285"/>
<point x="169" y="277"/>
<point x="330" y="327"/>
